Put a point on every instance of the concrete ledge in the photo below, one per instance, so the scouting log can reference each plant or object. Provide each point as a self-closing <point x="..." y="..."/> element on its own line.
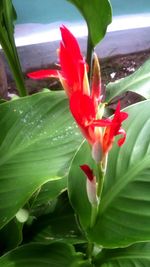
<point x="124" y="42"/>
<point x="115" y="43"/>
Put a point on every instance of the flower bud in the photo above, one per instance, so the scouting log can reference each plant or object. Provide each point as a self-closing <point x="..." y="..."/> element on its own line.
<point x="91" y="187"/>
<point x="97" y="152"/>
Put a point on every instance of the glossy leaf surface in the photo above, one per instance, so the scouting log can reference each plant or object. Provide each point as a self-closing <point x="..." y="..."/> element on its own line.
<point x="138" y="82"/>
<point x="49" y="191"/>
<point x="38" y="255"/>
<point x="37" y="142"/>
<point x="124" y="212"/>
<point x="136" y="255"/>
<point x="58" y="223"/>
<point x="10" y="236"/>
<point x="98" y="16"/>
<point x="77" y="185"/>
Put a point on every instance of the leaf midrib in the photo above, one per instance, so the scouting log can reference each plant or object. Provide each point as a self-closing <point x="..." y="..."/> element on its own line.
<point x="121" y="183"/>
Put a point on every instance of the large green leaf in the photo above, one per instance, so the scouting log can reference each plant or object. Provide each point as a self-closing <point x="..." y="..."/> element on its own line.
<point x="58" y="223"/>
<point x="124" y="213"/>
<point x="77" y="185"/>
<point x="49" y="191"/>
<point x="10" y="235"/>
<point x="98" y="15"/>
<point x="38" y="255"/>
<point x="37" y="141"/>
<point x="137" y="255"/>
<point x="138" y="82"/>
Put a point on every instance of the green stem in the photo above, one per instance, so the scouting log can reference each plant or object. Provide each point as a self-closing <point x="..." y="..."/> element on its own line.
<point x="93" y="214"/>
<point x="18" y="77"/>
<point x="90" y="250"/>
<point x="101" y="175"/>
<point x="16" y="69"/>
<point x="8" y="44"/>
<point x="89" y="56"/>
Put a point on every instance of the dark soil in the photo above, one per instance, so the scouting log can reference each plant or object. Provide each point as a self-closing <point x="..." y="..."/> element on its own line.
<point x="119" y="67"/>
<point x="112" y="69"/>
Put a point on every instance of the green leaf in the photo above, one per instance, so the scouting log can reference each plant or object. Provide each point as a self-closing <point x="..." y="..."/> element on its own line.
<point x="39" y="255"/>
<point x="59" y="224"/>
<point x="59" y="228"/>
<point x="2" y="100"/>
<point x="138" y="82"/>
<point x="77" y="185"/>
<point x="98" y="16"/>
<point x="10" y="236"/>
<point x="37" y="142"/>
<point x="7" y="17"/>
<point x="124" y="212"/>
<point x="137" y="255"/>
<point x="49" y="191"/>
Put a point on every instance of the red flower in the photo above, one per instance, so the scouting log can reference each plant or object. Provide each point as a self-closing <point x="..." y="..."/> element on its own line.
<point x="73" y="76"/>
<point x="72" y="64"/>
<point x="84" y="105"/>
<point x="113" y="130"/>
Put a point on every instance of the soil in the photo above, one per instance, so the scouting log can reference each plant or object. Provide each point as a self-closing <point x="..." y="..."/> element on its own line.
<point x="112" y="69"/>
<point x="122" y="65"/>
<point x="119" y="67"/>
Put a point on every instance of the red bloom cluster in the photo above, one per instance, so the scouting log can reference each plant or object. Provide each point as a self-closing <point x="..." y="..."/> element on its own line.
<point x="84" y="103"/>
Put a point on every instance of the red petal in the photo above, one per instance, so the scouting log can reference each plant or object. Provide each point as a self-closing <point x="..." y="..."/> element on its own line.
<point x="70" y="43"/>
<point x="122" y="139"/>
<point x="82" y="108"/>
<point x="119" y="115"/>
<point x="41" y="74"/>
<point x="69" y="68"/>
<point x="102" y="123"/>
<point x="124" y="116"/>
<point x="117" y="112"/>
<point x="88" y="171"/>
<point x="84" y="112"/>
<point x="71" y="61"/>
<point x="115" y="129"/>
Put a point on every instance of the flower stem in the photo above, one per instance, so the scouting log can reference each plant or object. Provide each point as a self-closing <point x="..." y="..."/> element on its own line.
<point x="90" y="250"/>
<point x="89" y="56"/>
<point x="93" y="214"/>
<point x="101" y="174"/>
<point x="100" y="181"/>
